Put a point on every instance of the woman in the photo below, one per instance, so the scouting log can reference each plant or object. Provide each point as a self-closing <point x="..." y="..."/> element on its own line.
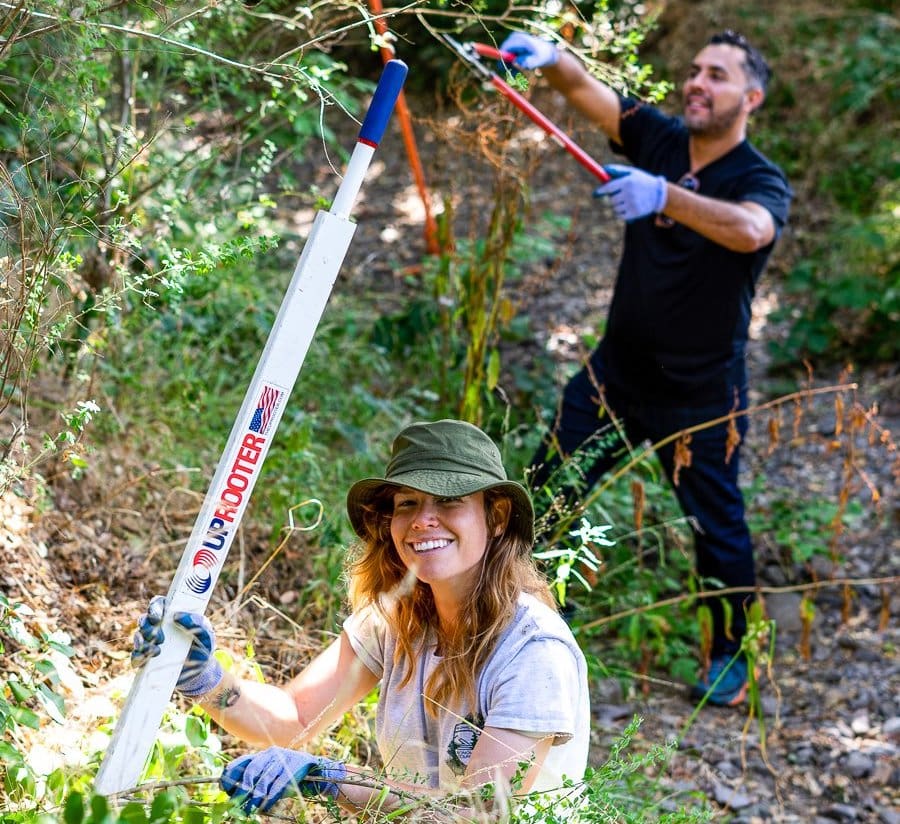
<point x="481" y="682"/>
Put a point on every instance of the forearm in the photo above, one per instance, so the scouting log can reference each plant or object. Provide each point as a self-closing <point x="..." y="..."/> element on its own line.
<point x="585" y="93"/>
<point x="260" y="714"/>
<point x="740" y="227"/>
<point x="289" y="716"/>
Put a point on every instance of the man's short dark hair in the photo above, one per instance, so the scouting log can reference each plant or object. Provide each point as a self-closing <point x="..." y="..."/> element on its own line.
<point x="755" y="66"/>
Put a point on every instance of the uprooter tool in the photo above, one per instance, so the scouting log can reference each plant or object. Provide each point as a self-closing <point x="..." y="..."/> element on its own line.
<point x="245" y="451"/>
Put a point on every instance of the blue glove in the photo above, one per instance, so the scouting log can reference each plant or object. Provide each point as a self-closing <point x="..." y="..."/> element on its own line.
<point x="201" y="671"/>
<point x="531" y="52"/>
<point x="259" y="781"/>
<point x="633" y="193"/>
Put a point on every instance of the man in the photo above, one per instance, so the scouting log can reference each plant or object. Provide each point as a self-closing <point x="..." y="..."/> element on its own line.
<point x="702" y="209"/>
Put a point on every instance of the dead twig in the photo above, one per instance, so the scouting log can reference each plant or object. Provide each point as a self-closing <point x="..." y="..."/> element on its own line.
<point x="760" y="590"/>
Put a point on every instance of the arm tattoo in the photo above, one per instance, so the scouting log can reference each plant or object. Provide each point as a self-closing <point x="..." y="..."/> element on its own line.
<point x="224" y="698"/>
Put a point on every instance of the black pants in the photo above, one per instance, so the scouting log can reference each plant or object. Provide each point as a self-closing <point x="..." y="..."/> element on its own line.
<point x="707" y="490"/>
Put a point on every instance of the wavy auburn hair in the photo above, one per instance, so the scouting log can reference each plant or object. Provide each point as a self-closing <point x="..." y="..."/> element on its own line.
<point x="378" y="577"/>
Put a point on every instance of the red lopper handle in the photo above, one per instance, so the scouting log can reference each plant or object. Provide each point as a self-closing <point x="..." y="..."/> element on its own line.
<point x="551" y="128"/>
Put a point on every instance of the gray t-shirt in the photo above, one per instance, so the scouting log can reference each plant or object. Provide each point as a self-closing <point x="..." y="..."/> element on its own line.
<point x="535" y="682"/>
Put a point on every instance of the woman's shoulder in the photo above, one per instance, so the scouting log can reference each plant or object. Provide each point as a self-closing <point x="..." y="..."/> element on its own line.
<point x="366" y="625"/>
<point x="532" y="605"/>
<point x="370" y="636"/>
<point x="535" y="619"/>
<point x="537" y="638"/>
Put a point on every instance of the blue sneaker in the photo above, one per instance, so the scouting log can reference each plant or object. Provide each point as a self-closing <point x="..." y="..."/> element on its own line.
<point x="731" y="675"/>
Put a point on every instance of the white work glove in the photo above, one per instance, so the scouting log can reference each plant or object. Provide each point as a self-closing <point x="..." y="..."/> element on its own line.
<point x="531" y="52"/>
<point x="201" y="671"/>
<point x="634" y="194"/>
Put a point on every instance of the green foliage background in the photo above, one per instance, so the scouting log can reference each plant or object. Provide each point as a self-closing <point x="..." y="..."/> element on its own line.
<point x="149" y="154"/>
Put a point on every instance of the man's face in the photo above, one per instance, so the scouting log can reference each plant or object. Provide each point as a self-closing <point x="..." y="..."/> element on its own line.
<point x="717" y="94"/>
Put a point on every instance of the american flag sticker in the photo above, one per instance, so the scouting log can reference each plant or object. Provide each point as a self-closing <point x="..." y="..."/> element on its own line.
<point x="266" y="406"/>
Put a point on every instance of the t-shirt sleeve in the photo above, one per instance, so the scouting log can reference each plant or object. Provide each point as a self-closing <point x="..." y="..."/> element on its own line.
<point x="644" y="132"/>
<point x="538" y="691"/>
<point x="366" y="632"/>
<point x="628" y="108"/>
<point x="769" y="188"/>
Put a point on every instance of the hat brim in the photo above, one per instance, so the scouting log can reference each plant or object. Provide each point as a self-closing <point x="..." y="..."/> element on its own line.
<point x="445" y="485"/>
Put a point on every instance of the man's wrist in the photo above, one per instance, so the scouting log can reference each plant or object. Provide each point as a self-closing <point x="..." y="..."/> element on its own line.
<point x="663" y="194"/>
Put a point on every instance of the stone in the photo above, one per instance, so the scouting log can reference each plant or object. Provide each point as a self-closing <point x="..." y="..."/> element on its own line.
<point x="858" y="765"/>
<point x="731" y="797"/>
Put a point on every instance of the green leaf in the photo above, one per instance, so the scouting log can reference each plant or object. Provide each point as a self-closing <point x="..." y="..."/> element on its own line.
<point x="17" y="631"/>
<point x="20" y="692"/>
<point x="196" y="731"/>
<point x="193" y="815"/>
<point x="9" y="754"/>
<point x="493" y="370"/>
<point x="65" y="649"/>
<point x="73" y="812"/>
<point x="53" y="703"/>
<point x="25" y="717"/>
<point x="56" y="782"/>
<point x="728" y="616"/>
<point x="162" y="808"/>
<point x="133" y="813"/>
<point x="20" y="782"/>
<point x="635" y="631"/>
<point x="47" y="668"/>
<point x="100" y="812"/>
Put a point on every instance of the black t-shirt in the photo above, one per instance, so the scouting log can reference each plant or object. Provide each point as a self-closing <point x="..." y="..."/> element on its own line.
<point x="681" y="307"/>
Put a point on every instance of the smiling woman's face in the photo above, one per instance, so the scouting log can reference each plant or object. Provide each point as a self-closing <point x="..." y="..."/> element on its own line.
<point x="442" y="540"/>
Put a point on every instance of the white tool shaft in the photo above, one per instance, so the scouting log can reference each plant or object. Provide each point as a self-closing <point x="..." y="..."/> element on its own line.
<point x="245" y="451"/>
<point x="353" y="179"/>
<point x="228" y="496"/>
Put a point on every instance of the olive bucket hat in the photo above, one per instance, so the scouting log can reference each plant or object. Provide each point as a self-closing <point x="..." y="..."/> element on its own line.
<point x="447" y="459"/>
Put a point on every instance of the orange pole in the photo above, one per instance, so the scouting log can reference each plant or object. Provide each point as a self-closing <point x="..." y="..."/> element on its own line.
<point x="401" y="110"/>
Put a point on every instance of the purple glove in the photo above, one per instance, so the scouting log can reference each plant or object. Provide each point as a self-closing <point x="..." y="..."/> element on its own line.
<point x="201" y="671"/>
<point x="531" y="52"/>
<point x="260" y="781"/>
<point x="633" y="193"/>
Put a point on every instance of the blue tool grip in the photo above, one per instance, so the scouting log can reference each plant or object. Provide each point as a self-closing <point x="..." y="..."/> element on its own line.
<point x="386" y="93"/>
